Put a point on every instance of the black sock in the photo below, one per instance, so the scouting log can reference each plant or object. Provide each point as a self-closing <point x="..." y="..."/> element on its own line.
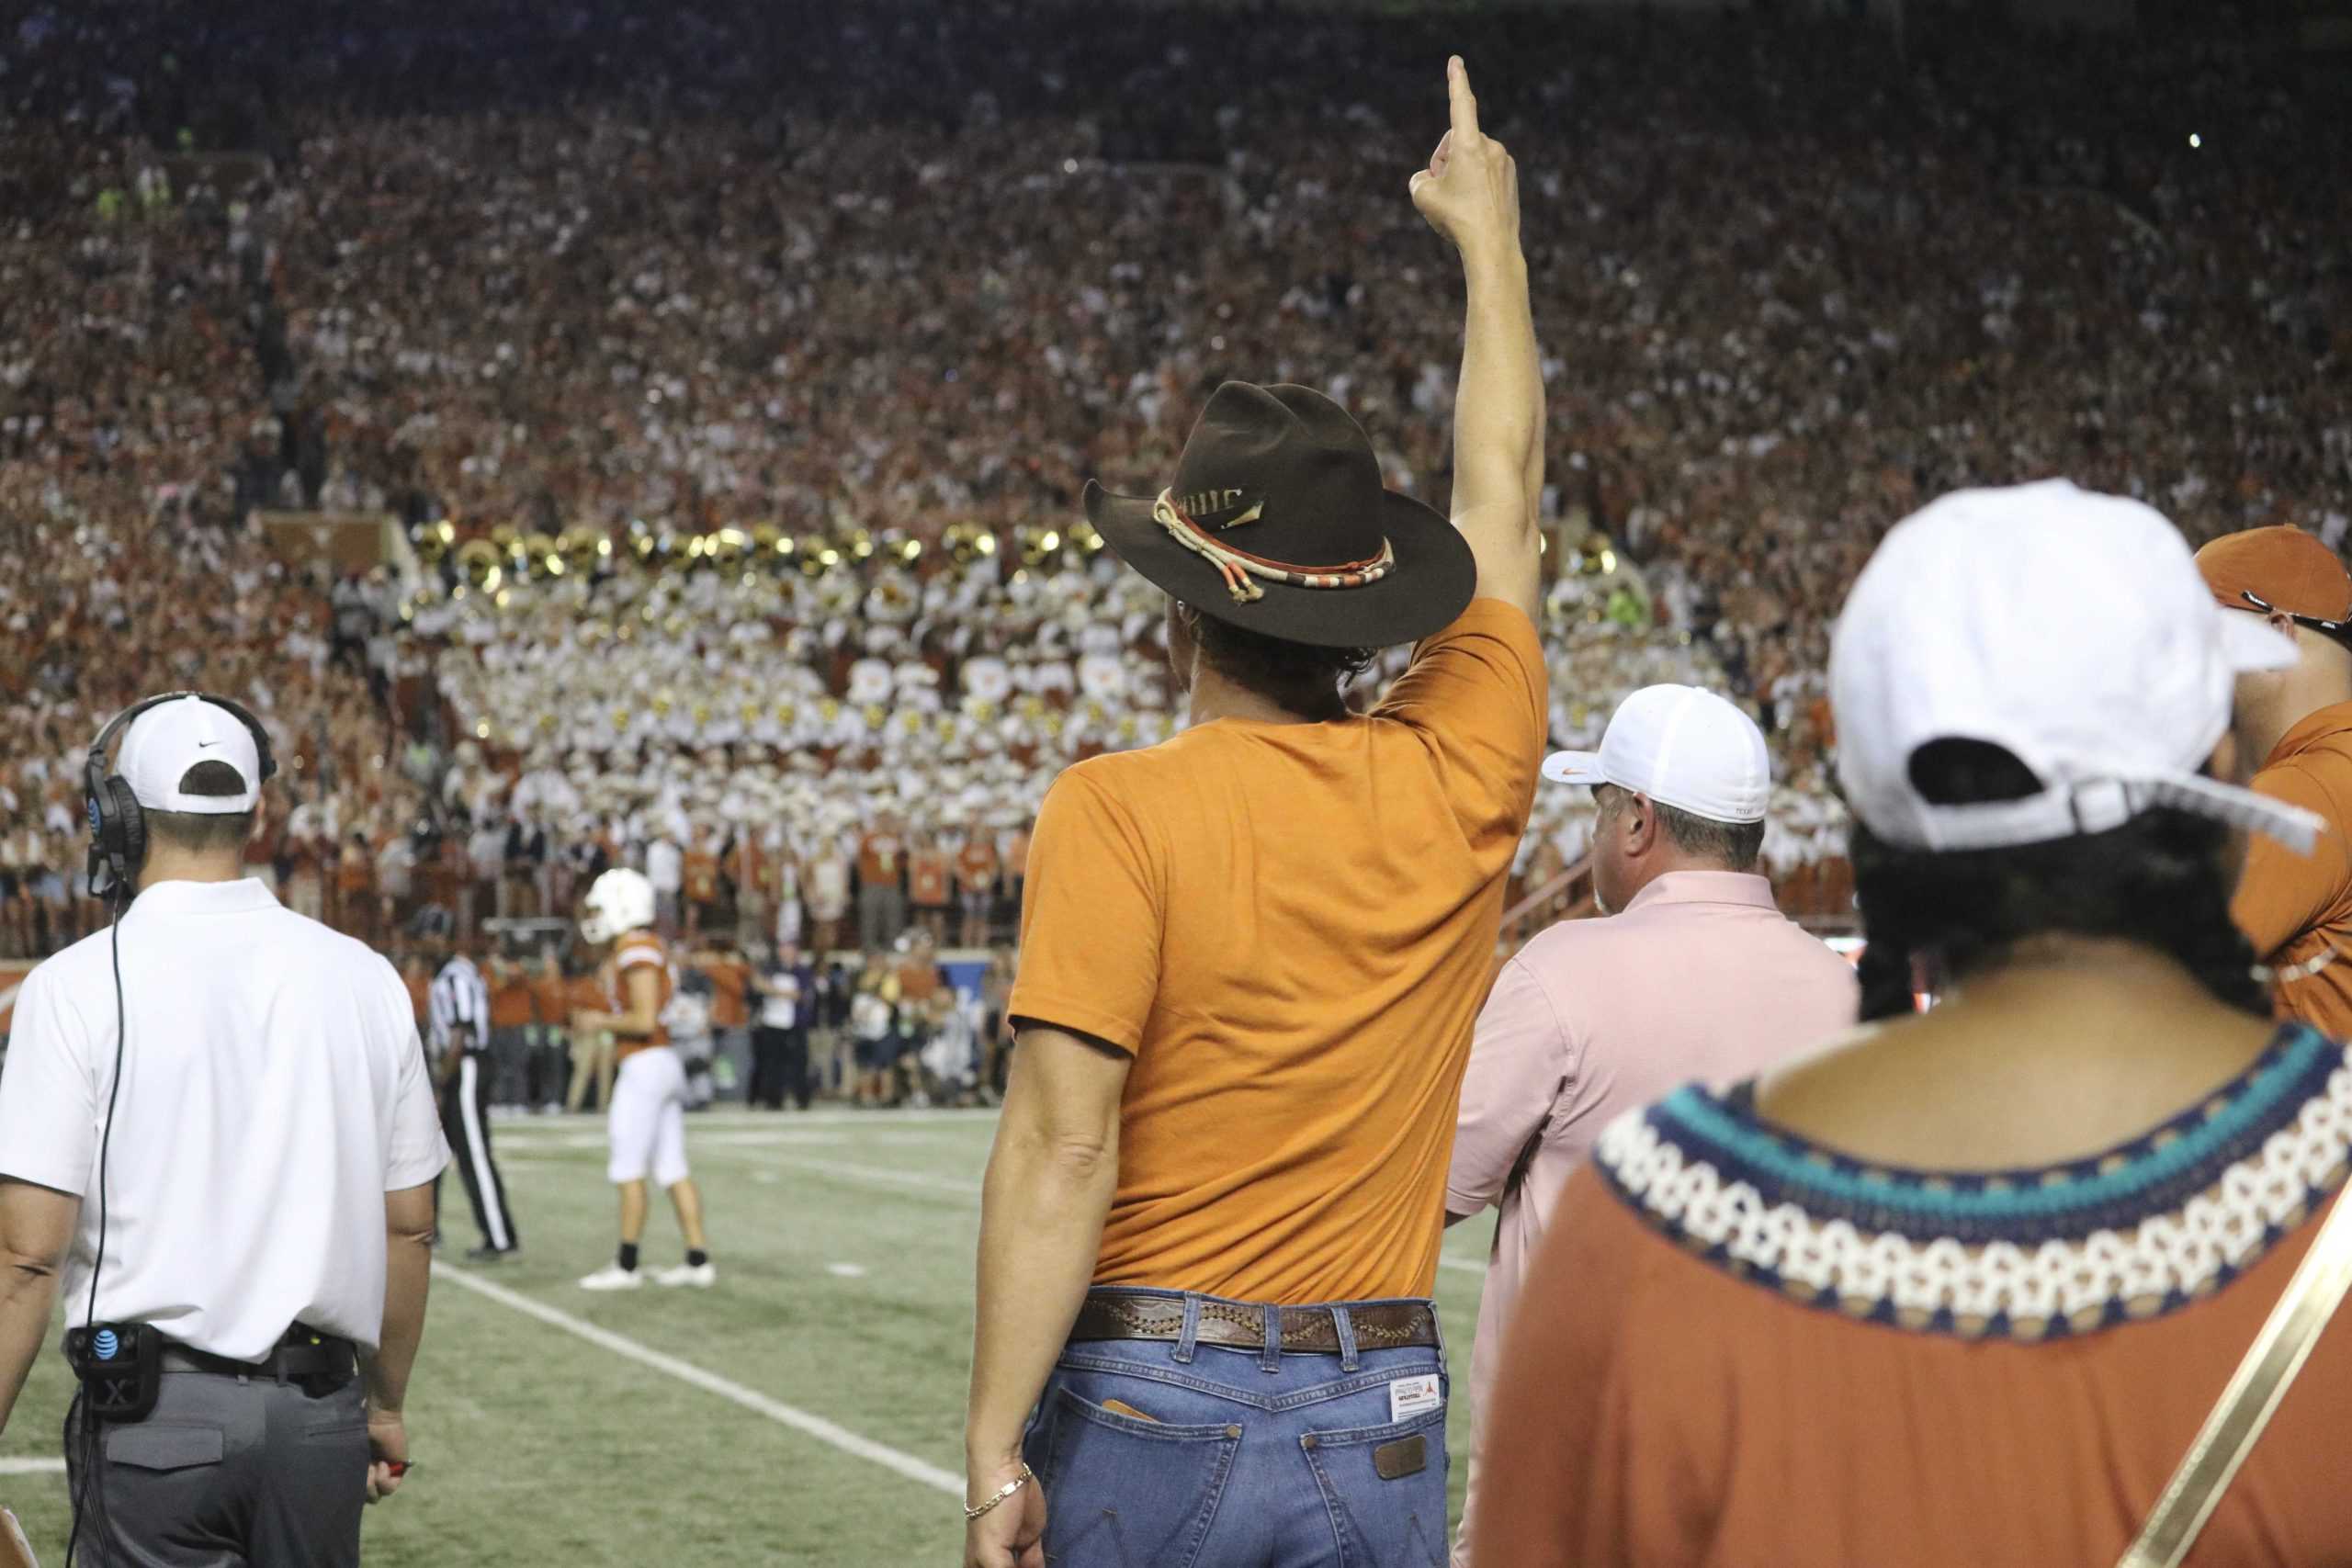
<point x="629" y="1255"/>
<point x="697" y="1257"/>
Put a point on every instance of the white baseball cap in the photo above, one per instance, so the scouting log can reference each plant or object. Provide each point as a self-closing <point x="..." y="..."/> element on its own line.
<point x="2068" y="628"/>
<point x="1682" y="747"/>
<point x="169" y="738"/>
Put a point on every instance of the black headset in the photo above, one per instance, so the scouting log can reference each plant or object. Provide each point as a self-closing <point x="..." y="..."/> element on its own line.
<point x="117" y="825"/>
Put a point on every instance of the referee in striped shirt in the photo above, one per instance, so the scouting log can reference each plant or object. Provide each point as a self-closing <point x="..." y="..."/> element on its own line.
<point x="458" y="1038"/>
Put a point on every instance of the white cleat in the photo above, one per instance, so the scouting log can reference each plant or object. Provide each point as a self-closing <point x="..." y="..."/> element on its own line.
<point x="613" y="1276"/>
<point x="702" y="1276"/>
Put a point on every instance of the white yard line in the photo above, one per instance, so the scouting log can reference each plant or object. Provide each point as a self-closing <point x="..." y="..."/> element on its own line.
<point x="32" y="1467"/>
<point x="882" y="1176"/>
<point x="827" y="1432"/>
<point x="937" y="1119"/>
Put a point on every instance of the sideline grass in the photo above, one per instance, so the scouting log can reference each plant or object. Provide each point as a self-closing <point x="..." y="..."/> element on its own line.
<point x="844" y="1244"/>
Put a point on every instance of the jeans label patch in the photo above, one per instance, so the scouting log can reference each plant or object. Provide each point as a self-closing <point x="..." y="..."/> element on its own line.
<point x="1408" y="1398"/>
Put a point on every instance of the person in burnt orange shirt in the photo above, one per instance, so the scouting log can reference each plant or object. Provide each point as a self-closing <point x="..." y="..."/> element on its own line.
<point x="551" y="1011"/>
<point x="1252" y="958"/>
<point x="2297" y="723"/>
<point x="701" y="883"/>
<point x="881" y="888"/>
<point x="929" y="885"/>
<point x="510" y="1023"/>
<point x="976" y="872"/>
<point x="730" y="1010"/>
<point x="591" y="1054"/>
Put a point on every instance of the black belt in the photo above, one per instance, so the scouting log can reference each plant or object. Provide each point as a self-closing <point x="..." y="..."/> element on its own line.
<point x="301" y="1356"/>
<point x="1383" y="1325"/>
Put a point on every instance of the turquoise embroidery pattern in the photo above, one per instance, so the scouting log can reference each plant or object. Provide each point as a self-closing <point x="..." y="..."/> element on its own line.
<point x="2137" y="1229"/>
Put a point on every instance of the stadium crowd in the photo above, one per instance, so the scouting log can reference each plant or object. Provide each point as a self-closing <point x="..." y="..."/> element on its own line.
<point x="637" y="301"/>
<point x="737" y="451"/>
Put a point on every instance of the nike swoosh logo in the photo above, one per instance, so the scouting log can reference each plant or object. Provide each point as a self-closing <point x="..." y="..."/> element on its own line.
<point x="202" y="744"/>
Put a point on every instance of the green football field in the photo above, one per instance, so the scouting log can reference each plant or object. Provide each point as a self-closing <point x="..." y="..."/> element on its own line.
<point x="810" y="1410"/>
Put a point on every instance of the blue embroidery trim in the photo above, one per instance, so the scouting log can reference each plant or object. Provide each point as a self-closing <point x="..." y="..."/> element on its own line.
<point x="2156" y="1169"/>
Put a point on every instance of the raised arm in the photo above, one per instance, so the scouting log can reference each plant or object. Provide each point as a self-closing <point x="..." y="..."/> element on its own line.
<point x="1470" y="194"/>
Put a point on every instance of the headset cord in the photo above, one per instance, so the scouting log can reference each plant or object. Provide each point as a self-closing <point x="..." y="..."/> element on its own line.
<point x="89" y="1490"/>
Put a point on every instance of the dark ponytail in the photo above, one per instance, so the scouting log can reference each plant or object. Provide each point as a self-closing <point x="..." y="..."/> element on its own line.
<point x="2162" y="880"/>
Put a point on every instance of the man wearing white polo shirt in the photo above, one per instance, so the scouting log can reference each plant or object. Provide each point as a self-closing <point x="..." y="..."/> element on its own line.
<point x="1695" y="975"/>
<point x="215" y="1123"/>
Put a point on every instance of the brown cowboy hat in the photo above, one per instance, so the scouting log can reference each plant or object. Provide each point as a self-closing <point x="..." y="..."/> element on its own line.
<point x="1278" y="523"/>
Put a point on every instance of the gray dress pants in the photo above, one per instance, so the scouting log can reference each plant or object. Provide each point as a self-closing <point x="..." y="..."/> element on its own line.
<point x="228" y="1473"/>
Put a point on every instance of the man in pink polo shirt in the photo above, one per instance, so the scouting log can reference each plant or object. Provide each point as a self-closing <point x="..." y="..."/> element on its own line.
<point x="1695" y="975"/>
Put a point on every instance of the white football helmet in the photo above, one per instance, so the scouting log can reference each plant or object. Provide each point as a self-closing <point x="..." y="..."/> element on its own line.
<point x="620" y="900"/>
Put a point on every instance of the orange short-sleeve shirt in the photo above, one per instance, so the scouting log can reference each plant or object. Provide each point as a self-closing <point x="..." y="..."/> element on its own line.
<point x="927" y="878"/>
<point x="1291" y="928"/>
<point x="2297" y="908"/>
<point x="510" y="1000"/>
<point x="551" y="999"/>
<point x="731" y="983"/>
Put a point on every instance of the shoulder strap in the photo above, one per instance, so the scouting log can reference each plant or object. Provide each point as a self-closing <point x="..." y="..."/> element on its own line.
<point x="2253" y="1393"/>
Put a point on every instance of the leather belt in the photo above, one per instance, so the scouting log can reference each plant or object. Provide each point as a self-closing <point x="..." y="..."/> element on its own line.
<point x="1386" y="1325"/>
<point x="301" y="1357"/>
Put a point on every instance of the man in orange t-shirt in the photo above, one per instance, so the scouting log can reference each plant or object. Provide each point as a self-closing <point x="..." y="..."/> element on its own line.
<point x="510" y="1023"/>
<point x="1252" y="960"/>
<point x="2296" y="909"/>
<point x="976" y="870"/>
<point x="551" y="1012"/>
<point x="928" y="885"/>
<point x="881" y="887"/>
<point x="701" y="881"/>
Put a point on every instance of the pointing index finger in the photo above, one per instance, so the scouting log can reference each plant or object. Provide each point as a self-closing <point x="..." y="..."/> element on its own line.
<point x="1458" y="92"/>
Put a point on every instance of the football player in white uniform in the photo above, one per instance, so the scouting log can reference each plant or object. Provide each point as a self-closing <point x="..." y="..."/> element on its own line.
<point x="647" y="1121"/>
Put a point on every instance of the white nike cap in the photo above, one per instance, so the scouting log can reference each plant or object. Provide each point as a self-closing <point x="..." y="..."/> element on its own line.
<point x="1682" y="747"/>
<point x="171" y="738"/>
<point x="2072" y="630"/>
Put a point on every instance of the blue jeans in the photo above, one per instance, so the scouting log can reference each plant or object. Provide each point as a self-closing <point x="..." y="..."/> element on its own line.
<point x="1242" y="1459"/>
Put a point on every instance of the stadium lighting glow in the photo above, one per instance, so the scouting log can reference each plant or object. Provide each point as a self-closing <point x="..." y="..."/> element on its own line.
<point x="1052" y="541"/>
<point x="2195" y="140"/>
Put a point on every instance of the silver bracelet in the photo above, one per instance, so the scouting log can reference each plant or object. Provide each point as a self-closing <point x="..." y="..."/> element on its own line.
<point x="1007" y="1490"/>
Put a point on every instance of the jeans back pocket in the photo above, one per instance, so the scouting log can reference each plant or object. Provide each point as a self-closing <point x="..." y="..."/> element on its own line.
<point x="1123" y="1492"/>
<point x="1386" y="1489"/>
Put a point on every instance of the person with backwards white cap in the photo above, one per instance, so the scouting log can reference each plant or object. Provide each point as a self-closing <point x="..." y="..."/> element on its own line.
<point x="1964" y="1287"/>
<point x="217" y="1133"/>
<point x="1695" y="975"/>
